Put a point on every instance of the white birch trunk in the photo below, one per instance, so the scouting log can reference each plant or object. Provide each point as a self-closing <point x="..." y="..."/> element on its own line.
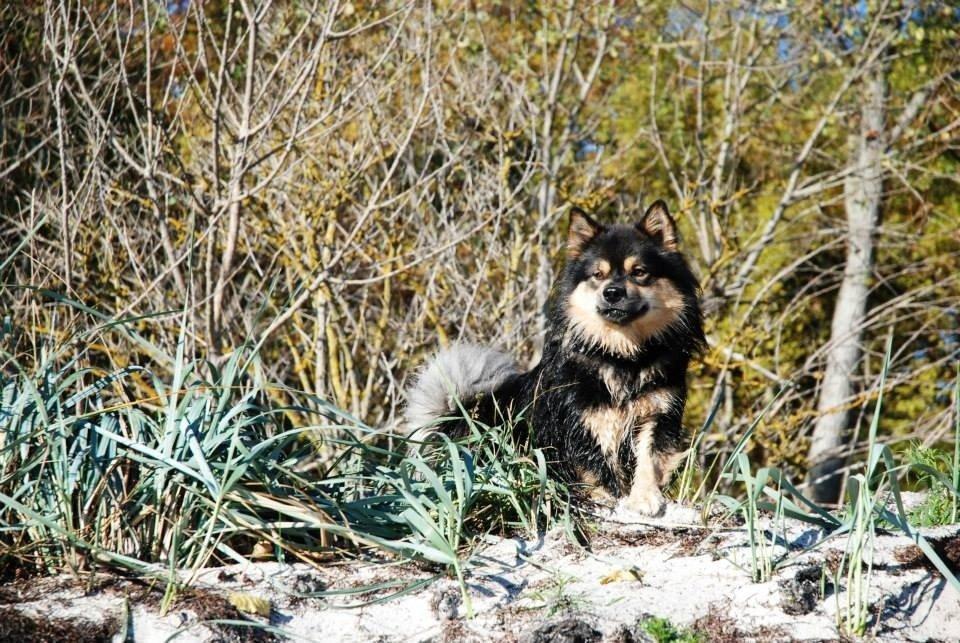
<point x="863" y="190"/>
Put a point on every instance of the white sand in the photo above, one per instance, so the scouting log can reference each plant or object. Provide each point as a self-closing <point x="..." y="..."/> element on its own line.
<point x="671" y="568"/>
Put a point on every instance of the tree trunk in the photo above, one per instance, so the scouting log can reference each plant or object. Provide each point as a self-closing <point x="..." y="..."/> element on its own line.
<point x="862" y="194"/>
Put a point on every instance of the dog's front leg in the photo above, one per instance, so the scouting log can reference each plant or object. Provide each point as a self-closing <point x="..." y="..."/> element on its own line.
<point x="645" y="496"/>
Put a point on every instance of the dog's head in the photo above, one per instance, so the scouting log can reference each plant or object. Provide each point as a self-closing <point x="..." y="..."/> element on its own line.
<point x="626" y="284"/>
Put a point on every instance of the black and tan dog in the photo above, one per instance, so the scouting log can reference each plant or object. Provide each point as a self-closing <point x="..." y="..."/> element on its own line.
<point x="605" y="402"/>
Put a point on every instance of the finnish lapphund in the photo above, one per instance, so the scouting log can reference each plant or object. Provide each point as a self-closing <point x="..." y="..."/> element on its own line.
<point x="606" y="400"/>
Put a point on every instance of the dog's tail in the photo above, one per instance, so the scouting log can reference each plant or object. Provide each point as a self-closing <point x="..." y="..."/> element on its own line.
<point x="458" y="372"/>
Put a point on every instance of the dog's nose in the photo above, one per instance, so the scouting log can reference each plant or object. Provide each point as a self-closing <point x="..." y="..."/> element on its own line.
<point x="613" y="294"/>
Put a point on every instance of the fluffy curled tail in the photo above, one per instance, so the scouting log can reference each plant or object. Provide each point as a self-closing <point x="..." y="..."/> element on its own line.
<point x="458" y="372"/>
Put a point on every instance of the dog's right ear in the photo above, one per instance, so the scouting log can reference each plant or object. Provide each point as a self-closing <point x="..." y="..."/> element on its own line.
<point x="582" y="230"/>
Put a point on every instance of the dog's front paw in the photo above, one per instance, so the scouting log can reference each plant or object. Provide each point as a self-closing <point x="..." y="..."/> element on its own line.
<point x="649" y="502"/>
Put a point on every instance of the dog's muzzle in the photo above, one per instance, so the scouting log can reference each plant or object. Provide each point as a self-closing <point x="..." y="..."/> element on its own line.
<point x="623" y="311"/>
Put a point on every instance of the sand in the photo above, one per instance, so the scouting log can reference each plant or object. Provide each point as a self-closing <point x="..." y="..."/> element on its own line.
<point x="543" y="589"/>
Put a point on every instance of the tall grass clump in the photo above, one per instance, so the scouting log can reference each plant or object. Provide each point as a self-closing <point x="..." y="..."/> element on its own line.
<point x="873" y="499"/>
<point x="89" y="473"/>
<point x="435" y="502"/>
<point x="938" y="472"/>
<point x="129" y="470"/>
<point x="933" y="470"/>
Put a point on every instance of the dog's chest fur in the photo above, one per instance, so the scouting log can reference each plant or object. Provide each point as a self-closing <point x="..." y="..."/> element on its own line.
<point x="632" y="407"/>
<point x="623" y="387"/>
<point x="630" y="413"/>
<point x="613" y="421"/>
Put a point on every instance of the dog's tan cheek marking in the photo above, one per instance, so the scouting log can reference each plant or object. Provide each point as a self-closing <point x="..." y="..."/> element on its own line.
<point x="666" y="304"/>
<point x="671" y="297"/>
<point x="582" y="308"/>
<point x="582" y="312"/>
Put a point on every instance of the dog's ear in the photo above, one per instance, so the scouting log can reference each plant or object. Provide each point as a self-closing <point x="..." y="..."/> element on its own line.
<point x="660" y="226"/>
<point x="582" y="230"/>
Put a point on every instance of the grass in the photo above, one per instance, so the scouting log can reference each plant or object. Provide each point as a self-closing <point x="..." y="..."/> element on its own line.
<point x="762" y="554"/>
<point x="556" y="597"/>
<point x="662" y="630"/>
<point x="161" y="478"/>
<point x="769" y="494"/>
<point x="931" y="465"/>
<point x="939" y="473"/>
<point x="855" y="570"/>
<point x="765" y="497"/>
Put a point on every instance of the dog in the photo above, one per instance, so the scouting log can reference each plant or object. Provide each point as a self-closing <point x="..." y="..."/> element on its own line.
<point x="606" y="400"/>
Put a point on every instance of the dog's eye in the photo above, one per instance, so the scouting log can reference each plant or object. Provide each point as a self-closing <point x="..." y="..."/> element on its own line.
<point x="598" y="275"/>
<point x="638" y="273"/>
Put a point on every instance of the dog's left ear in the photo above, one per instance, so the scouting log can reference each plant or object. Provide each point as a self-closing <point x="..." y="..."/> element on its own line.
<point x="659" y="226"/>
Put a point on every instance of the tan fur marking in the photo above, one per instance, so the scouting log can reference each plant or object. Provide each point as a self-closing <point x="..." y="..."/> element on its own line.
<point x="609" y="425"/>
<point x="666" y="304"/>
<point x="645" y="495"/>
<point x="587" y="478"/>
<point x="601" y="496"/>
<point x="592" y="486"/>
<point x="655" y="402"/>
<point x="629" y="263"/>
<point x="601" y="266"/>
<point x="666" y="464"/>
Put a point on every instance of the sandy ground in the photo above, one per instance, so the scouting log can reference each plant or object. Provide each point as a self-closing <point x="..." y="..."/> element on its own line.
<point x="526" y="590"/>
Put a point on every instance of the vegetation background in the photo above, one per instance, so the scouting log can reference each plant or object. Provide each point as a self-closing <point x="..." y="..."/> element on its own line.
<point x="343" y="187"/>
